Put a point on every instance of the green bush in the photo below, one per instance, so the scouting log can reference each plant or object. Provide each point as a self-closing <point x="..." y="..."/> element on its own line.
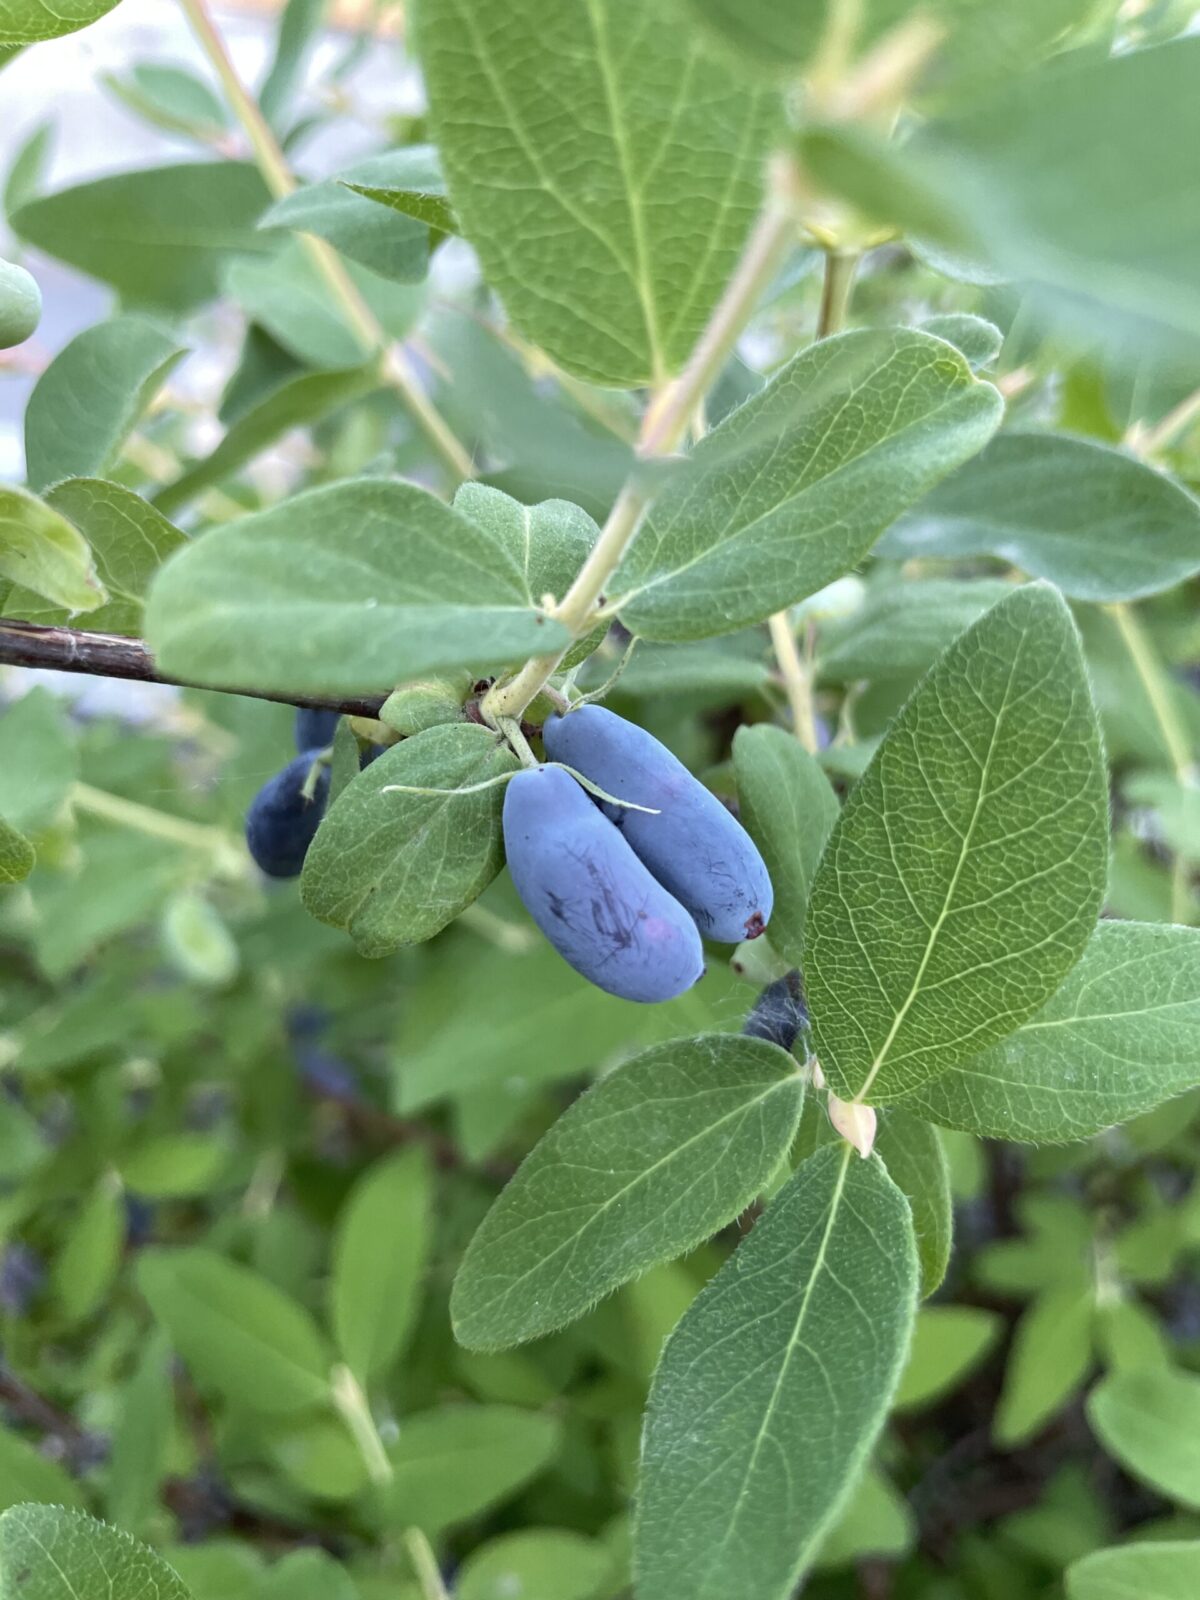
<point x="815" y="386"/>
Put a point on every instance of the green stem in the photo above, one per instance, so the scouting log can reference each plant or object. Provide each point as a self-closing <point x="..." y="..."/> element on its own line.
<point x="352" y="1406"/>
<point x="1174" y="733"/>
<point x="156" y="824"/>
<point x="424" y="1565"/>
<point x="394" y="366"/>
<point x="663" y="427"/>
<point x="837" y="285"/>
<point x="1158" y="691"/>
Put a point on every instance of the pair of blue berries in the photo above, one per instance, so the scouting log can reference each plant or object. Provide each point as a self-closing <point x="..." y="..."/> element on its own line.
<point x="625" y="895"/>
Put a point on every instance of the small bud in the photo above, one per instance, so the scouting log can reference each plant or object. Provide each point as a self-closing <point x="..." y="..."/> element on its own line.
<point x="818" y="1077"/>
<point x="855" y="1122"/>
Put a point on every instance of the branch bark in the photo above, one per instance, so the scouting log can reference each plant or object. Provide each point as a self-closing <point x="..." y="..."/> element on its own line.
<point x="110" y="655"/>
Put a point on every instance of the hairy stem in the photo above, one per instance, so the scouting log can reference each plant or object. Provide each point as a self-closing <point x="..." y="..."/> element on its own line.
<point x="111" y="655"/>
<point x="797" y="680"/>
<point x="836" y="287"/>
<point x="394" y="365"/>
<point x="156" y="824"/>
<point x="352" y="1406"/>
<point x="663" y="428"/>
<point x="1174" y="733"/>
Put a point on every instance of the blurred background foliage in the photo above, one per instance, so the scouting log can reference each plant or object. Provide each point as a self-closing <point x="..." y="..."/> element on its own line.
<point x="233" y="1153"/>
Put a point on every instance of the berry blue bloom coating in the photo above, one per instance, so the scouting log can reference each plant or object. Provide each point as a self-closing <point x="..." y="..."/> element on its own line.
<point x="315" y="729"/>
<point x="591" y="896"/>
<point x="694" y="846"/>
<point x="281" y="823"/>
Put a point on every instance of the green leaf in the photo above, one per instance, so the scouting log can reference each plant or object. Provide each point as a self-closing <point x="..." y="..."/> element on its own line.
<point x="967" y="869"/>
<point x="979" y="340"/>
<point x="1051" y="1357"/>
<point x="237" y="1332"/>
<point x="794" y="487"/>
<point x="380" y="1249"/>
<point x="345" y="589"/>
<point x="788" y="807"/>
<point x="26" y="1474"/>
<point x="378" y="237"/>
<point x="789" y="1355"/>
<point x="38" y="763"/>
<point x="916" y="1163"/>
<point x="27" y="21"/>
<point x="1145" y="1570"/>
<point x="17" y="855"/>
<point x="948" y="1343"/>
<point x="48" y="1553"/>
<point x="902" y="628"/>
<point x="546" y="545"/>
<point x="1149" y="1420"/>
<point x="172" y="98"/>
<point x="173" y="1166"/>
<point x="308" y="1575"/>
<point x="297" y="402"/>
<point x="646" y="1165"/>
<point x="141" y="1437"/>
<point x="394" y="869"/>
<point x="41" y="551"/>
<point x="1115" y="1040"/>
<point x="129" y="539"/>
<point x="90" y="397"/>
<point x="299" y="26"/>
<point x="158" y="236"/>
<point x="605" y="166"/>
<point x="765" y="33"/>
<point x="1086" y="226"/>
<point x="197" y="939"/>
<point x="91" y="1253"/>
<point x="121" y="883"/>
<point x="1091" y="519"/>
<point x="535" y="1564"/>
<point x="408" y="180"/>
<point x="451" y="1463"/>
<point x="563" y="1028"/>
<point x="875" y="1522"/>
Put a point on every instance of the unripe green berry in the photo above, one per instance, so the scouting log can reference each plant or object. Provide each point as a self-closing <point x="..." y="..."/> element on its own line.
<point x="20" y="305"/>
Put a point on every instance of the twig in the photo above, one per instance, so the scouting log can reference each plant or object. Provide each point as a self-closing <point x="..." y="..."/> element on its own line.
<point x="841" y="267"/>
<point x="111" y="655"/>
<point x="663" y="427"/>
<point x="395" y="367"/>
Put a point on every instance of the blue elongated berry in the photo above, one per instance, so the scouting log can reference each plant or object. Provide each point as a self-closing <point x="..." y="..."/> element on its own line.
<point x="591" y="896"/>
<point x="694" y="846"/>
<point x="282" y="820"/>
<point x="315" y="729"/>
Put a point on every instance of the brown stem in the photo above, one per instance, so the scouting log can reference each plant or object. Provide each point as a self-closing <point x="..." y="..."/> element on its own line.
<point x="110" y="655"/>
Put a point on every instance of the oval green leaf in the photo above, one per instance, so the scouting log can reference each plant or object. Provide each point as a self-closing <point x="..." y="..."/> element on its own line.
<point x="346" y="589"/>
<point x="236" y="1331"/>
<point x="605" y="166"/>
<point x="41" y="551"/>
<point x="773" y="1387"/>
<point x="1149" y="1420"/>
<point x="89" y="399"/>
<point x="642" y="1168"/>
<point x="49" y="1553"/>
<point x="966" y="872"/>
<point x="1117" y="1039"/>
<point x="1094" y="521"/>
<point x="1138" y="1571"/>
<point x="394" y="869"/>
<point x="794" y="487"/>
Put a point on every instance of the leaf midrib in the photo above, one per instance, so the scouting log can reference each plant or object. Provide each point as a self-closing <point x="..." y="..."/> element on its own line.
<point x="642" y="1177"/>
